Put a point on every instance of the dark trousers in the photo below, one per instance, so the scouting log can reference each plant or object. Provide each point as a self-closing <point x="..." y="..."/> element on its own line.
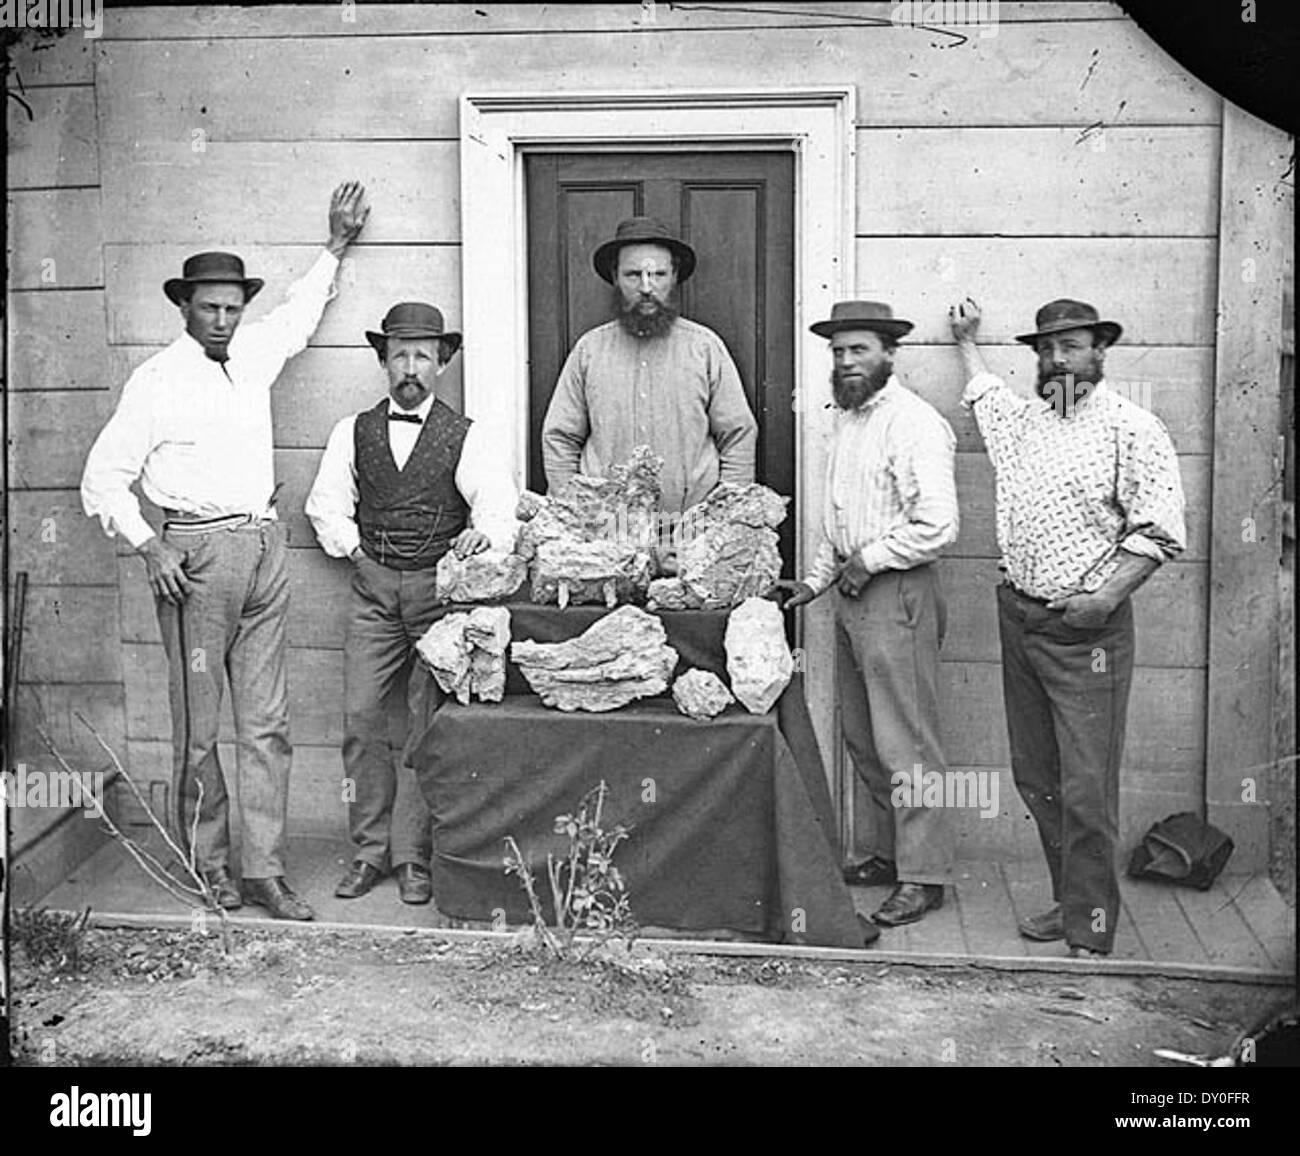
<point x="887" y="650"/>
<point x="1066" y="693"/>
<point x="232" y="625"/>
<point x="388" y="818"/>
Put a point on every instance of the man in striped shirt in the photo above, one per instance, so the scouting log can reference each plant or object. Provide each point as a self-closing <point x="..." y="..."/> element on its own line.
<point x="891" y="506"/>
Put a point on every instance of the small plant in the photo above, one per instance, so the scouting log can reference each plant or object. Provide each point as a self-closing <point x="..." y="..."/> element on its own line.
<point x="181" y="877"/>
<point x="53" y="939"/>
<point x="588" y="893"/>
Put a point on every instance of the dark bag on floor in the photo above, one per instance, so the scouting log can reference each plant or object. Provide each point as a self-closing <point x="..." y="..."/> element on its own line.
<point x="1183" y="848"/>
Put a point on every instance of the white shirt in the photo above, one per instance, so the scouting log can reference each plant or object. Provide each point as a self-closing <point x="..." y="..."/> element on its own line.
<point x="481" y="478"/>
<point x="197" y="434"/>
<point x="891" y="493"/>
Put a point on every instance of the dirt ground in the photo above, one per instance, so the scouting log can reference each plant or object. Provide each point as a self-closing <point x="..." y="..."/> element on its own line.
<point x="158" y="997"/>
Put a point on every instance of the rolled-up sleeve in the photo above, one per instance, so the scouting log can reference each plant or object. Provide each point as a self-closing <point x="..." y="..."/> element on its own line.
<point x="1150" y="492"/>
<point x="924" y="476"/>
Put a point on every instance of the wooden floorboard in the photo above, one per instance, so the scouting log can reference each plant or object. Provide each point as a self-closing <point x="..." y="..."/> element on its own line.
<point x="987" y="919"/>
<point x="1220" y="928"/>
<point x="1241" y="927"/>
<point x="1165" y="929"/>
<point x="1267" y="915"/>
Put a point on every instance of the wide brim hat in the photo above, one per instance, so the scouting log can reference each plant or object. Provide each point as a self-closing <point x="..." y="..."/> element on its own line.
<point x="873" y="315"/>
<point x="1064" y="313"/>
<point x="212" y="269"/>
<point x="643" y="231"/>
<point x="412" y="319"/>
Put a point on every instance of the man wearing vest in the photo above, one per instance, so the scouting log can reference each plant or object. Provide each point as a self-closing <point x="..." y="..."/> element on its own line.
<point x="399" y="486"/>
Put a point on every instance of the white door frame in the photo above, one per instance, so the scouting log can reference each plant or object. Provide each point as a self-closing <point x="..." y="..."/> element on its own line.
<point x="816" y="124"/>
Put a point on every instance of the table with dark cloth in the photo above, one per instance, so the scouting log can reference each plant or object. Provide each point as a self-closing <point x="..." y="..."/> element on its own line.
<point x="732" y="825"/>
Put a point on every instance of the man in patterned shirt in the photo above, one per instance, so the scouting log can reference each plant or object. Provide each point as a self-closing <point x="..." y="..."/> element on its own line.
<point x="891" y="506"/>
<point x="1089" y="503"/>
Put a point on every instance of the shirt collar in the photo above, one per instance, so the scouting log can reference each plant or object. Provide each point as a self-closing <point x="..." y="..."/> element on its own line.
<point x="1098" y="395"/>
<point x="421" y="410"/>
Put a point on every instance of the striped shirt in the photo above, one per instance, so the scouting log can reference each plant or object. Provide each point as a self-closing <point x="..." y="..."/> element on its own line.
<point x="1073" y="491"/>
<point x="891" y="494"/>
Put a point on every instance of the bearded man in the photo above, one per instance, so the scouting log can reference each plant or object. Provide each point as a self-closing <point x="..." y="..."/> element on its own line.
<point x="650" y="377"/>
<point x="890" y="507"/>
<point x="1089" y="504"/>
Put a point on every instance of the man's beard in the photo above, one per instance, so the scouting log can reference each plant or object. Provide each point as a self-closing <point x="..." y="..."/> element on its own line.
<point x="850" y="395"/>
<point x="646" y="317"/>
<point x="1063" y="391"/>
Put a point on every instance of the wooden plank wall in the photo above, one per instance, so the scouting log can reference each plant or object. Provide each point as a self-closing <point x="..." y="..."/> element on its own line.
<point x="1065" y="155"/>
<point x="56" y="400"/>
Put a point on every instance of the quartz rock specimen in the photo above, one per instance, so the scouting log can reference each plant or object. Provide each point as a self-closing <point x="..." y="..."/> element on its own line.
<point x="759" y="662"/>
<point x="621" y="657"/>
<point x="701" y="694"/>
<point x="446" y="653"/>
<point x="480" y="577"/>
<point x="487" y="634"/>
<point x="727" y="550"/>
<point x="594" y="540"/>
<point x="467" y="653"/>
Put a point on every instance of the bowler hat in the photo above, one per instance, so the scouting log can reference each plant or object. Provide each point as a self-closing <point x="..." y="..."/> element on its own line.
<point x="873" y="315"/>
<point x="411" y="319"/>
<point x="212" y="269"/>
<point x="1057" y="316"/>
<point x="643" y="231"/>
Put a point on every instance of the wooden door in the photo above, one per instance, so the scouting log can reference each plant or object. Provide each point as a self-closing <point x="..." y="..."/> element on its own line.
<point x="736" y="209"/>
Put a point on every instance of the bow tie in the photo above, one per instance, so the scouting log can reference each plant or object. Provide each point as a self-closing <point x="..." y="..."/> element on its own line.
<point x="415" y="417"/>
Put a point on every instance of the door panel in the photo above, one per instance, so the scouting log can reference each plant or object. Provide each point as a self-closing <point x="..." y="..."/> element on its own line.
<point x="736" y="210"/>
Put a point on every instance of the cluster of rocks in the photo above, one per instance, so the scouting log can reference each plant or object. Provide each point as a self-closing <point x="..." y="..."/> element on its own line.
<point x="619" y="658"/>
<point x="467" y="653"/>
<point x="727" y="550"/>
<point x="625" y="656"/>
<point x="594" y="540"/>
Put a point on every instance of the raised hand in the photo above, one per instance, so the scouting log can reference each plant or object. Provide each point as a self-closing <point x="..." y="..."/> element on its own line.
<point x="348" y="213"/>
<point x="964" y="317"/>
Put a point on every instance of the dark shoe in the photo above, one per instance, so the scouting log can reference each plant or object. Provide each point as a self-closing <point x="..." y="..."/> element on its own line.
<point x="277" y="897"/>
<point x="414" y="883"/>
<point x="908" y="903"/>
<point x="870" y="932"/>
<point x="1044" y="928"/>
<point x="224" y="889"/>
<point x="871" y="872"/>
<point x="360" y="878"/>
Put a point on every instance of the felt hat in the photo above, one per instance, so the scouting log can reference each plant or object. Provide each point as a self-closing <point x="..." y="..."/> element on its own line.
<point x="643" y="231"/>
<point x="873" y="315"/>
<point x="212" y="269"/>
<point x="411" y="319"/>
<point x="1057" y="316"/>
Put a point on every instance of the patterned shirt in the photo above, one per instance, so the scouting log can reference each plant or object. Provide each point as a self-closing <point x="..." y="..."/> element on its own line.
<point x="198" y="433"/>
<point x="890" y="489"/>
<point x="680" y="394"/>
<point x="1072" y="491"/>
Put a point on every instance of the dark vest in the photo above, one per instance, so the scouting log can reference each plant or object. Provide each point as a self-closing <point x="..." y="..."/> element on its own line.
<point x="409" y="517"/>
